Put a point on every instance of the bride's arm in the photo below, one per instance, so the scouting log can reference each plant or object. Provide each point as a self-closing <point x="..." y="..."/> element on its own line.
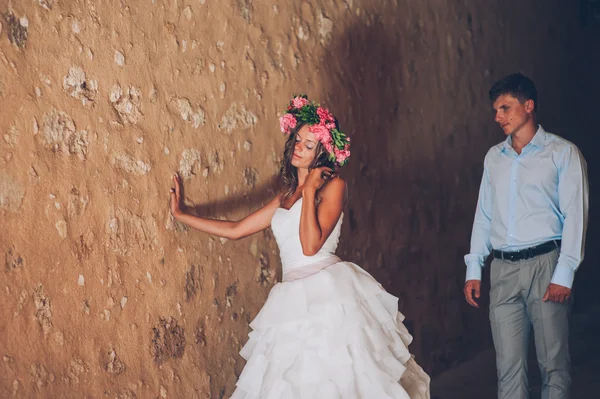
<point x="233" y="230"/>
<point x="317" y="222"/>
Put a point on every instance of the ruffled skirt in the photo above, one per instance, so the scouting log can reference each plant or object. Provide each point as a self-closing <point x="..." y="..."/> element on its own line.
<point x="334" y="334"/>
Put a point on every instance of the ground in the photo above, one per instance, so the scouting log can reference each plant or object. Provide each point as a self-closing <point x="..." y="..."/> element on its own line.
<point x="477" y="377"/>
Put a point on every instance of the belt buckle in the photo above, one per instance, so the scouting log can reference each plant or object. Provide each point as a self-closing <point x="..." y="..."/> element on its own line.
<point x="521" y="254"/>
<point x="529" y="253"/>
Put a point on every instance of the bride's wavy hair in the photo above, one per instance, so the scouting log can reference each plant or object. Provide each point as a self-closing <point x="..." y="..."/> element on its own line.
<point x="288" y="173"/>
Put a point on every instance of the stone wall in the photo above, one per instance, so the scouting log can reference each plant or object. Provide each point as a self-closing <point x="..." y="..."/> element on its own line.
<point x="103" y="295"/>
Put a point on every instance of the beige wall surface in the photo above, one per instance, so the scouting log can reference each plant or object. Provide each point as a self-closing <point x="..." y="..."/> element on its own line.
<point x="103" y="295"/>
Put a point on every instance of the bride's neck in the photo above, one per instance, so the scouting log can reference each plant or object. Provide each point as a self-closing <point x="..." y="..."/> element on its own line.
<point x="302" y="175"/>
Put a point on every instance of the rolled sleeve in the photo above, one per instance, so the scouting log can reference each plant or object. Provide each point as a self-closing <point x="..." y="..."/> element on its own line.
<point x="480" y="236"/>
<point x="573" y="204"/>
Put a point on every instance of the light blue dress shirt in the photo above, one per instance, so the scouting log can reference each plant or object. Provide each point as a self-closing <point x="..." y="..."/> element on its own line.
<point x="530" y="198"/>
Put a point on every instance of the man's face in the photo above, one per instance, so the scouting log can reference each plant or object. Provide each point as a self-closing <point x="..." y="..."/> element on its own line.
<point x="511" y="115"/>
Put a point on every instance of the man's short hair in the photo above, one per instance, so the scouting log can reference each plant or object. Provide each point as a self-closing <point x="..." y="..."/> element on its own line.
<point x="518" y="86"/>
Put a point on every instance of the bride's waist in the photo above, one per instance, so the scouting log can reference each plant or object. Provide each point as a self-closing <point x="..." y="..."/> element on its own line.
<point x="306" y="267"/>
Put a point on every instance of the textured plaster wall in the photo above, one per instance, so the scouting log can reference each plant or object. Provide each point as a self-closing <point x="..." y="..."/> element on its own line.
<point x="103" y="295"/>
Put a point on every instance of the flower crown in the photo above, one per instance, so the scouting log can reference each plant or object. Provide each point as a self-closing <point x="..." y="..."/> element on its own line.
<point x="321" y="123"/>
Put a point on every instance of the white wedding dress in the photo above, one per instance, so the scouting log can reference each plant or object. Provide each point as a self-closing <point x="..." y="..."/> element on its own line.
<point x="329" y="330"/>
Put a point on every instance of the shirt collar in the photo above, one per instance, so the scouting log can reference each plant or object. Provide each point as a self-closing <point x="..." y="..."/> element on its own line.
<point x="538" y="140"/>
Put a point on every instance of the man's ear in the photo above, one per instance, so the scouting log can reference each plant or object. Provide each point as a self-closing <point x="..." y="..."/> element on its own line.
<point x="529" y="105"/>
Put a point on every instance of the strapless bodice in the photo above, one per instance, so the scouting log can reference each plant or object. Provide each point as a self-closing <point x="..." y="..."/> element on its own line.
<point x="286" y="229"/>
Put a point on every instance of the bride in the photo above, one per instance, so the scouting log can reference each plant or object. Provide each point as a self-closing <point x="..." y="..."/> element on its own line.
<point x="328" y="330"/>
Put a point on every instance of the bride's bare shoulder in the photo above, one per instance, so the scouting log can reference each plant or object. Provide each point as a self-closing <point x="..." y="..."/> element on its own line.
<point x="334" y="188"/>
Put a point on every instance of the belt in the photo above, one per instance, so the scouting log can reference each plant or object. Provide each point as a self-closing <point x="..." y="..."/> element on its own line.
<point x="528" y="253"/>
<point x="307" y="270"/>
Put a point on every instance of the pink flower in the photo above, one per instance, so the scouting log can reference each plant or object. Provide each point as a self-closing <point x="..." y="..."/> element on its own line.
<point x="321" y="133"/>
<point x="341" y="155"/>
<point x="299" y="102"/>
<point x="287" y="122"/>
<point x="328" y="147"/>
<point x="324" y="115"/>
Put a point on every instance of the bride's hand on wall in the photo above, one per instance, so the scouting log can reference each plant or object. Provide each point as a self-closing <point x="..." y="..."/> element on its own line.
<point x="176" y="197"/>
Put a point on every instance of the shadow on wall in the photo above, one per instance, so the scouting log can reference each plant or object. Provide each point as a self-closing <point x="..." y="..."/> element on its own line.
<point x="418" y="114"/>
<point x="410" y="206"/>
<point x="260" y="195"/>
<point x="583" y="129"/>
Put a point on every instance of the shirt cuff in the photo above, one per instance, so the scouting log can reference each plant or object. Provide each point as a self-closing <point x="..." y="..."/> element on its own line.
<point x="473" y="271"/>
<point x="563" y="275"/>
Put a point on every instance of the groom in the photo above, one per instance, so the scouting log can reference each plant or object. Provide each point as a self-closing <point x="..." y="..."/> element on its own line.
<point x="532" y="215"/>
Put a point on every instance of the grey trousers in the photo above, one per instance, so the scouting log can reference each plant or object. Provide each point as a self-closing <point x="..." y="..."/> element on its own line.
<point x="516" y="305"/>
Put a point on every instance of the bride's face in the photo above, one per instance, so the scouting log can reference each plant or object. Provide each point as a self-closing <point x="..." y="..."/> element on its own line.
<point x="305" y="148"/>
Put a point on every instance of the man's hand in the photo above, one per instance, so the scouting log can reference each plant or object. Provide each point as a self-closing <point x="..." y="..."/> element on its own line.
<point x="470" y="286"/>
<point x="557" y="293"/>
